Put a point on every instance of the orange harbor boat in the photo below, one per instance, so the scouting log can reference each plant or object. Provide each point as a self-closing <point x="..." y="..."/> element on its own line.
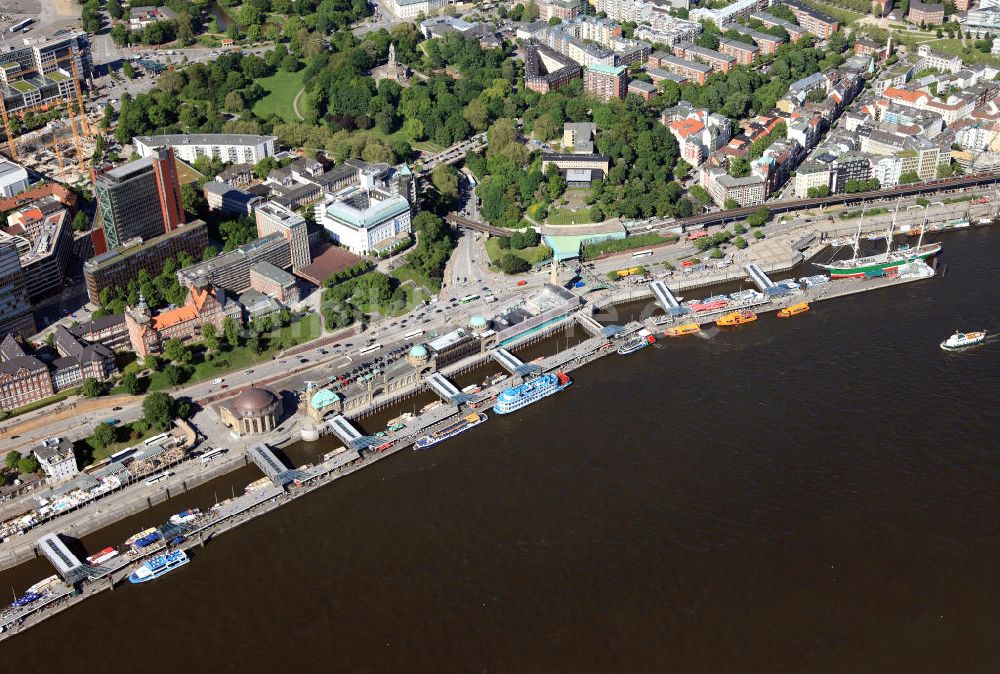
<point x="736" y="318"/>
<point x="794" y="310"/>
<point x="686" y="329"/>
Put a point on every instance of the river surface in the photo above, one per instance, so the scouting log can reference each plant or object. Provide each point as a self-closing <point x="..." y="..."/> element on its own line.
<point x="817" y="494"/>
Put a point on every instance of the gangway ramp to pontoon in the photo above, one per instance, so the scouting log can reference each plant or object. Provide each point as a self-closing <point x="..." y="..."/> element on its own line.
<point x="590" y="324"/>
<point x="444" y="388"/>
<point x="512" y="363"/>
<point x="757" y="275"/>
<point x="666" y="299"/>
<point x="67" y="565"/>
<point x="271" y="465"/>
<point x="350" y="435"/>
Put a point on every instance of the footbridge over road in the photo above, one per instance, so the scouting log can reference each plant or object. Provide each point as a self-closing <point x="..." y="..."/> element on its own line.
<point x="350" y="435"/>
<point x="457" y="220"/>
<point x="455" y="153"/>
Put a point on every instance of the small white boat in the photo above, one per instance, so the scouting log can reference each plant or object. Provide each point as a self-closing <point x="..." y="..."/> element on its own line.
<point x="961" y="340"/>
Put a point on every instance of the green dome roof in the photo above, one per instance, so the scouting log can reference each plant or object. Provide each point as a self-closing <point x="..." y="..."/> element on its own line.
<point x="323" y="398"/>
<point x="477" y="322"/>
<point x="418" y="351"/>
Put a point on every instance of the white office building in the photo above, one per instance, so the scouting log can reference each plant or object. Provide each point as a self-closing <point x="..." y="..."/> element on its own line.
<point x="410" y="9"/>
<point x="363" y="218"/>
<point x="227" y="147"/>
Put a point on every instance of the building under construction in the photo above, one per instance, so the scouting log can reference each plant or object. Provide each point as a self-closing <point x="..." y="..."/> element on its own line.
<point x="39" y="74"/>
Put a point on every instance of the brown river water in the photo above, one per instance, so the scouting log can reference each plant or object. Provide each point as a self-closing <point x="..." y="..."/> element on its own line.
<point x="817" y="494"/>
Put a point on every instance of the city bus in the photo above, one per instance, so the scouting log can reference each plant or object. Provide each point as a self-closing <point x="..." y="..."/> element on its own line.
<point x="413" y="335"/>
<point x="370" y="349"/>
<point x="468" y="298"/>
<point x="208" y="456"/>
<point x="157" y="478"/>
<point x="155" y="440"/>
<point x="645" y="253"/>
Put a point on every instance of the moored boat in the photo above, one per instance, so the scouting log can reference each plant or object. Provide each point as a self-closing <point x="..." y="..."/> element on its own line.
<point x="46" y="585"/>
<point x="102" y="556"/>
<point x="461" y="426"/>
<point x="514" y="398"/>
<point x="961" y="340"/>
<point x="26" y="599"/>
<point x="640" y="340"/>
<point x="185" y="517"/>
<point x="680" y="330"/>
<point x="142" y="534"/>
<point x="158" y="566"/>
<point x="147" y="540"/>
<point x="794" y="310"/>
<point x="736" y="318"/>
<point x="709" y="306"/>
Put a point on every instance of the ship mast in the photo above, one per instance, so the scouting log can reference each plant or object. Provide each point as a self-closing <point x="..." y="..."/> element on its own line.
<point x="888" y="234"/>
<point x="857" y="236"/>
<point x="923" y="225"/>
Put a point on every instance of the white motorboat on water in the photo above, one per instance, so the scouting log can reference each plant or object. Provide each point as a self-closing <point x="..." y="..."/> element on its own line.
<point x="961" y="340"/>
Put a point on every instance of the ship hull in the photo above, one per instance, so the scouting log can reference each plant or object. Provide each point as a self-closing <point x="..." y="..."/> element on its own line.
<point x="878" y="268"/>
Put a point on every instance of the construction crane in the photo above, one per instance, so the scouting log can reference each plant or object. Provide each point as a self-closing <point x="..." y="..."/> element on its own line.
<point x="84" y="124"/>
<point x="56" y="151"/>
<point x="11" y="145"/>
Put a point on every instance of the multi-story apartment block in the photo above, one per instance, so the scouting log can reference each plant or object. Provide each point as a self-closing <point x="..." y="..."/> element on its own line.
<point x="411" y="9"/>
<point x="228" y="199"/>
<point x="747" y="191"/>
<point x="817" y="23"/>
<point x="545" y="69"/>
<point x="795" y="32"/>
<point x="138" y="199"/>
<point x="717" y="61"/>
<point x="39" y="70"/>
<point x="669" y="33"/>
<point x="272" y="218"/>
<point x="57" y="461"/>
<point x="698" y="132"/>
<point x="227" y="147"/>
<point x="809" y="175"/>
<point x="644" y="90"/>
<point x="606" y="82"/>
<point x="743" y="53"/>
<point x="929" y="14"/>
<point x="730" y="13"/>
<point x="929" y="59"/>
<point x="691" y="70"/>
<point x="767" y="43"/>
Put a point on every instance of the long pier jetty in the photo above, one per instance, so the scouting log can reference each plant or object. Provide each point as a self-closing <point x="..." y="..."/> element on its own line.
<point x="82" y="580"/>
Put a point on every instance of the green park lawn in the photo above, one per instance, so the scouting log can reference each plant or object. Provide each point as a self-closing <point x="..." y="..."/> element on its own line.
<point x="299" y="332"/>
<point x="564" y="216"/>
<point x="90" y="452"/>
<point x="532" y="255"/>
<point x="281" y="88"/>
<point x="968" y="54"/>
<point x="410" y="273"/>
